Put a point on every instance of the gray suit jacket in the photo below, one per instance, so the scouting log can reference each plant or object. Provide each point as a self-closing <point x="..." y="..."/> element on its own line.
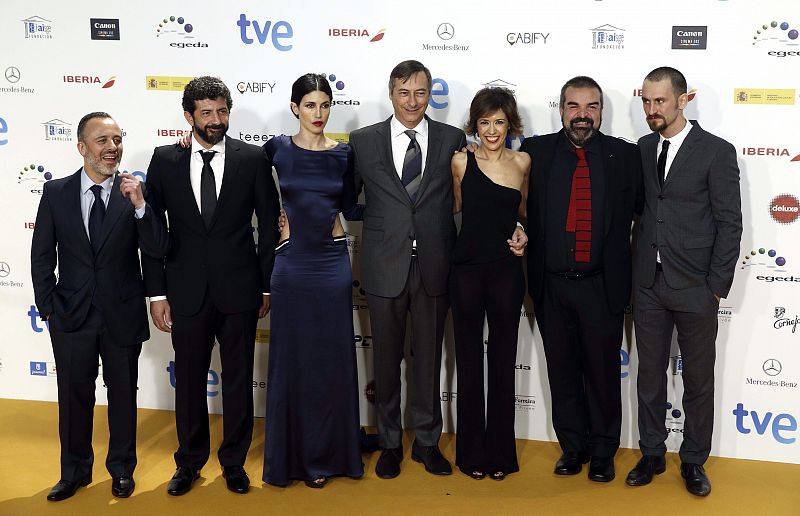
<point x="392" y="222"/>
<point x="695" y="220"/>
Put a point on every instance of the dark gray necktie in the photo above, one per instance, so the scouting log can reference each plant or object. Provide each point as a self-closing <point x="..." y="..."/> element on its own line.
<point x="96" y="216"/>
<point x="412" y="166"/>
<point x="662" y="162"/>
<point x="208" y="188"/>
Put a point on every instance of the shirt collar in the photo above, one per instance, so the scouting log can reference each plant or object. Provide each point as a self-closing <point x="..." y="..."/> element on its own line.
<point x="677" y="140"/>
<point x="218" y="147"/>
<point x="398" y="128"/>
<point x="87" y="183"/>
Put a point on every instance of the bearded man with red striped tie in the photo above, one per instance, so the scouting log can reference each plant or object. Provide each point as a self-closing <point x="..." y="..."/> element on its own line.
<point x="584" y="188"/>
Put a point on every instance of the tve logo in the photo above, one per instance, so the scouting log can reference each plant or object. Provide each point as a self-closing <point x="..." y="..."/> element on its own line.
<point x="439" y="88"/>
<point x="3" y="131"/>
<point x="624" y="362"/>
<point x="34" y="314"/>
<point x="779" y="424"/>
<point x="213" y="379"/>
<point x="277" y="32"/>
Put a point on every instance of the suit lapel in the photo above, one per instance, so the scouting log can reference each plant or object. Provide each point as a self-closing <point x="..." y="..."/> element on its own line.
<point x="648" y="152"/>
<point x="432" y="158"/>
<point x="686" y="149"/>
<point x="384" y="133"/>
<point x="183" y="159"/>
<point x="73" y="206"/>
<point x="116" y="206"/>
<point x="231" y="168"/>
<point x="609" y="169"/>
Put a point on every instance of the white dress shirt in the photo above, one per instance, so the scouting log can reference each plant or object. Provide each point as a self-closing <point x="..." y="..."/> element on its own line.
<point x="196" y="166"/>
<point x="400" y="142"/>
<point x="87" y="198"/>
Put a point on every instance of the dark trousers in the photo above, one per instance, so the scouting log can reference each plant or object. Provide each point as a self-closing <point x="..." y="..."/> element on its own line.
<point x="193" y="340"/>
<point x="76" y="354"/>
<point x="492" y="290"/>
<point x="693" y="312"/>
<point x="388" y="321"/>
<point x="582" y="339"/>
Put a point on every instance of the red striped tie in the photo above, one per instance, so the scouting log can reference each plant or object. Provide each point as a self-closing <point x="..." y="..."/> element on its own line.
<point x="579" y="216"/>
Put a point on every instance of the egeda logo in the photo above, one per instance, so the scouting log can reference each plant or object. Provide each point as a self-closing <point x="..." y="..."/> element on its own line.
<point x="276" y="32"/>
<point x="213" y="380"/>
<point x="778" y="424"/>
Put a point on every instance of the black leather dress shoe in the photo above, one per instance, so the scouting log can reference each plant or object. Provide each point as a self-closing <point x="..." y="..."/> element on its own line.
<point x="182" y="481"/>
<point x="388" y="465"/>
<point x="66" y="488"/>
<point x="642" y="473"/>
<point x="696" y="480"/>
<point x="570" y="463"/>
<point x="432" y="458"/>
<point x="601" y="469"/>
<point x="369" y="442"/>
<point x="122" y="487"/>
<point x="236" y="478"/>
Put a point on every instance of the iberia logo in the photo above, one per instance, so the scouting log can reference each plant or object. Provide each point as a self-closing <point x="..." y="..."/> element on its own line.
<point x="378" y="36"/>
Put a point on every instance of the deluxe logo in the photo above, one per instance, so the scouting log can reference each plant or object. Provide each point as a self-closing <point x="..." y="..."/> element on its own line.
<point x="782" y="423"/>
<point x="34" y="177"/>
<point x="783" y="323"/>
<point x="256" y="87"/>
<point x="338" y="92"/>
<point x="689" y="37"/>
<point x="89" y="79"/>
<point x="176" y="27"/>
<point x="167" y="83"/>
<point x="445" y="32"/>
<point x="57" y="130"/>
<point x="212" y="381"/>
<point x="104" y="28"/>
<point x="3" y="132"/>
<point x="765" y="96"/>
<point x="37" y="27"/>
<point x="637" y="92"/>
<point x="276" y="33"/>
<point x="777" y="34"/>
<point x="608" y="37"/>
<point x="784" y="209"/>
<point x="356" y="33"/>
<point x="439" y="92"/>
<point x="527" y="38"/>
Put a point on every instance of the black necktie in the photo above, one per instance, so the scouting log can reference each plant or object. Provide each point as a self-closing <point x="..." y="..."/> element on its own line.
<point x="208" y="189"/>
<point x="662" y="162"/>
<point x="96" y="216"/>
<point x="412" y="166"/>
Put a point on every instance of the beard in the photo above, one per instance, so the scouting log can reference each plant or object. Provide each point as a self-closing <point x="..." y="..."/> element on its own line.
<point x="100" y="167"/>
<point x="213" y="138"/>
<point x="581" y="136"/>
<point x="657" y="123"/>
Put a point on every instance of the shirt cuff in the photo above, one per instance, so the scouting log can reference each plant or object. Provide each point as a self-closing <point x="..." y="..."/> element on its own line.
<point x="265" y="293"/>
<point x="158" y="298"/>
<point x="139" y="212"/>
<point x="519" y="225"/>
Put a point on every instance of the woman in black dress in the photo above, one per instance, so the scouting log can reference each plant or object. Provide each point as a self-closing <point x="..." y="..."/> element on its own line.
<point x="312" y="422"/>
<point x="486" y="280"/>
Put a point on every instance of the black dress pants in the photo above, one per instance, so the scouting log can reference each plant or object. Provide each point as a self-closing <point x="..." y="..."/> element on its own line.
<point x="193" y="340"/>
<point x="582" y="339"/>
<point x="493" y="291"/>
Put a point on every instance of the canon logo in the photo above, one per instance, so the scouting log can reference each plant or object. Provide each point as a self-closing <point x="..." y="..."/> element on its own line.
<point x="688" y="33"/>
<point x="105" y="25"/>
<point x="764" y="151"/>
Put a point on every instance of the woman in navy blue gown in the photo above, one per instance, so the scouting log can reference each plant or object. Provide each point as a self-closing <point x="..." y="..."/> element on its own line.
<point x="312" y="422"/>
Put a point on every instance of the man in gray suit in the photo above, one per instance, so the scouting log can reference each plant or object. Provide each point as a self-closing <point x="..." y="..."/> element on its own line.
<point x="688" y="245"/>
<point x="403" y="165"/>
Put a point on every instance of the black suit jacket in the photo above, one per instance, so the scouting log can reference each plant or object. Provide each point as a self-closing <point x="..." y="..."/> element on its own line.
<point x="392" y="221"/>
<point x="220" y="261"/>
<point x="112" y="280"/>
<point x="623" y="175"/>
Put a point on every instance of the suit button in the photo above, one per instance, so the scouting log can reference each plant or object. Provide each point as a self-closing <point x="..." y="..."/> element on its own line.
<point x="660" y="221"/>
<point x="653" y="246"/>
<point x="660" y="197"/>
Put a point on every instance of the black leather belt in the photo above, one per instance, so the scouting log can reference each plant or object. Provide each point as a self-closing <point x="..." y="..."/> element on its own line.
<point x="576" y="275"/>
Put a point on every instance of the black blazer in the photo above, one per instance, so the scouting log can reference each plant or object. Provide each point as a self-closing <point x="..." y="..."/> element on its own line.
<point x="221" y="261"/>
<point x="112" y="280"/>
<point x="392" y="222"/>
<point x="623" y="173"/>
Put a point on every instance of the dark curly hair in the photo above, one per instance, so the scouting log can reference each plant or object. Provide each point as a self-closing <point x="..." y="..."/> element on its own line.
<point x="489" y="100"/>
<point x="205" y="87"/>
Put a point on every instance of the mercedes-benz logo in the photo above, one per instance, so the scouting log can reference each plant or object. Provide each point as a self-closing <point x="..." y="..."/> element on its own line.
<point x="445" y="31"/>
<point x="12" y="74"/>
<point x="5" y="270"/>
<point x="772" y="367"/>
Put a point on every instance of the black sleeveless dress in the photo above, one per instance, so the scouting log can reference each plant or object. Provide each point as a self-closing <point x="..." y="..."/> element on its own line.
<point x="486" y="281"/>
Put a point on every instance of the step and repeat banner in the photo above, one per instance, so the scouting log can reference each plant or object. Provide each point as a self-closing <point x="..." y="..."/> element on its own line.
<point x="741" y="60"/>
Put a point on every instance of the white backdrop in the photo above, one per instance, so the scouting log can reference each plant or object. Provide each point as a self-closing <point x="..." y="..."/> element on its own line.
<point x="743" y="72"/>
